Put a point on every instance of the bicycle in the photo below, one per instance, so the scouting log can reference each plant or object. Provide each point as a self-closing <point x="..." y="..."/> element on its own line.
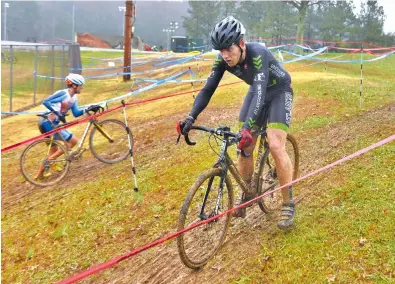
<point x="212" y="194"/>
<point x="110" y="147"/>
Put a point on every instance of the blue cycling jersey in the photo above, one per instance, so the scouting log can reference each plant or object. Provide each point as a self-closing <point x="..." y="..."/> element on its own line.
<point x="61" y="102"/>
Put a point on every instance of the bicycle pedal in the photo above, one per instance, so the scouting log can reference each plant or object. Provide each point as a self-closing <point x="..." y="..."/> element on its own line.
<point x="77" y="154"/>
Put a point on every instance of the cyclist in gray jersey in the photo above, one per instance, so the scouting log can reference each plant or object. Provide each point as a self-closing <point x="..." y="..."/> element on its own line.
<point x="270" y="87"/>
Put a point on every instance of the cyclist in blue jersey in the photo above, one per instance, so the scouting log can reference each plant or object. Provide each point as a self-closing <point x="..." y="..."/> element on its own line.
<point x="59" y="104"/>
<point x="270" y="87"/>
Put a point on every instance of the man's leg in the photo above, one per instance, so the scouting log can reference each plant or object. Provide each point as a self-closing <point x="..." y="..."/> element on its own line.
<point x="279" y="121"/>
<point x="69" y="144"/>
<point x="40" y="171"/>
<point x="277" y="139"/>
<point x="57" y="152"/>
<point x="245" y="165"/>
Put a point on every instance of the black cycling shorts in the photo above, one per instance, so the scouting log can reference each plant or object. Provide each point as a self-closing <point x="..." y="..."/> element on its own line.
<point x="279" y="104"/>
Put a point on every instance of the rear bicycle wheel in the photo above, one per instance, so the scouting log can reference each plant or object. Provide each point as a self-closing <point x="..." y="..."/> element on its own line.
<point x="34" y="159"/>
<point x="268" y="179"/>
<point x="110" y="143"/>
<point x="197" y="246"/>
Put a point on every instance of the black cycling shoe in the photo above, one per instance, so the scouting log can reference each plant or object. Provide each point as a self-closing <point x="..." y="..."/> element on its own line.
<point x="287" y="216"/>
<point x="241" y="212"/>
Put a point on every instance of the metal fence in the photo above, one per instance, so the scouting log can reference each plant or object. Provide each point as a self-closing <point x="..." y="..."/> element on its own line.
<point x="20" y="87"/>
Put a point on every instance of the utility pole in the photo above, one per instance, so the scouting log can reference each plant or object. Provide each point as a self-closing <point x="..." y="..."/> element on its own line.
<point x="127" y="53"/>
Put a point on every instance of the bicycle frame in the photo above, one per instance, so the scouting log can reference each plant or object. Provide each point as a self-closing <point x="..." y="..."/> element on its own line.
<point x="85" y="134"/>
<point x="227" y="164"/>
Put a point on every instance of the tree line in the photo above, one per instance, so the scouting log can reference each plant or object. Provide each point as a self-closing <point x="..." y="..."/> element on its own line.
<point x="276" y="20"/>
<point x="309" y="20"/>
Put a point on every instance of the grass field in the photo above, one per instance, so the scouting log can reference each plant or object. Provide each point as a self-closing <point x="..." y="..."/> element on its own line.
<point x="344" y="226"/>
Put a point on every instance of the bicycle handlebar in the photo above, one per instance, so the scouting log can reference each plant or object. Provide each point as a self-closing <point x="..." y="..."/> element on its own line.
<point x="98" y="110"/>
<point x="221" y="131"/>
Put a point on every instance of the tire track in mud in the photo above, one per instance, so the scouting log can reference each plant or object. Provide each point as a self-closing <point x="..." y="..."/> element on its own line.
<point x="163" y="265"/>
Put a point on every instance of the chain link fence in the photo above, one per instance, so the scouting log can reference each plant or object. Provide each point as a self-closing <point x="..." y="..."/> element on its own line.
<point x="20" y="87"/>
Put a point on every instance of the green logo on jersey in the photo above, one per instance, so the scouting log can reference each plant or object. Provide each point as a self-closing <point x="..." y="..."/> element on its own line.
<point x="216" y="62"/>
<point x="251" y="122"/>
<point x="257" y="62"/>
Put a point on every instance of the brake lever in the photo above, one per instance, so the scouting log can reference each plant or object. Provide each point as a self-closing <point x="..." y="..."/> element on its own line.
<point x="189" y="142"/>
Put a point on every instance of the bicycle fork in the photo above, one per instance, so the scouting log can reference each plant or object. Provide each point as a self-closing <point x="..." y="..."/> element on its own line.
<point x="222" y="163"/>
<point x="204" y="216"/>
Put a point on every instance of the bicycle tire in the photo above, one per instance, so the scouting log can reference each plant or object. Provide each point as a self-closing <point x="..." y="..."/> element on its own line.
<point x="38" y="150"/>
<point x="189" y="254"/>
<point x="111" y="152"/>
<point x="267" y="176"/>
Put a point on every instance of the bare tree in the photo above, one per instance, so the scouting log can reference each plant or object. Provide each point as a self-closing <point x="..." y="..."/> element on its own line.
<point x="302" y="7"/>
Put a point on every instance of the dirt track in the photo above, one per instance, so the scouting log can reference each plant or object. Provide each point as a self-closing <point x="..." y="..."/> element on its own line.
<point x="162" y="264"/>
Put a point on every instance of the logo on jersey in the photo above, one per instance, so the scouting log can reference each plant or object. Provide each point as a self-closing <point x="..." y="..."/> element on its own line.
<point x="245" y="66"/>
<point x="251" y="122"/>
<point x="216" y="62"/>
<point x="257" y="62"/>
<point x="258" y="101"/>
<point x="259" y="77"/>
<point x="277" y="71"/>
<point x="212" y="74"/>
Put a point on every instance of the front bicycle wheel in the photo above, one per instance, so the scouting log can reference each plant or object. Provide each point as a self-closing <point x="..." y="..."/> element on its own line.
<point x="109" y="141"/>
<point x="268" y="179"/>
<point x="197" y="246"/>
<point x="37" y="169"/>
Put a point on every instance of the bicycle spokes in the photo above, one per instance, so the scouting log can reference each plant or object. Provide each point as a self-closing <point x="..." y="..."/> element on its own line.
<point x="109" y="141"/>
<point x="209" y="199"/>
<point x="36" y="166"/>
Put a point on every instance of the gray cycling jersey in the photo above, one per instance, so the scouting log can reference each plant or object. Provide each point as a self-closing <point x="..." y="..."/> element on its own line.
<point x="260" y="70"/>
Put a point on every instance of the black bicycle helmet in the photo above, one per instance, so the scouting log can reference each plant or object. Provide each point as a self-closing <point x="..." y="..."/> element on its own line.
<point x="226" y="33"/>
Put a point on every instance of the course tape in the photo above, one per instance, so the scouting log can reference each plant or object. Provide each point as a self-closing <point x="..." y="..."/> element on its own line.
<point x="363" y="49"/>
<point x="157" y="82"/>
<point x="188" y="47"/>
<point x="302" y="57"/>
<point x="138" y="63"/>
<point x="89" y="77"/>
<point x="149" y="87"/>
<point x="299" y="57"/>
<point x="175" y="64"/>
<point x="318" y="41"/>
<point x="170" y="81"/>
<point x="177" y="61"/>
<point x="96" y="268"/>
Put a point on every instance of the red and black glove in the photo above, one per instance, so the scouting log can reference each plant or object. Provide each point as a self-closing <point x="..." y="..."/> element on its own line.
<point x="183" y="126"/>
<point x="246" y="139"/>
